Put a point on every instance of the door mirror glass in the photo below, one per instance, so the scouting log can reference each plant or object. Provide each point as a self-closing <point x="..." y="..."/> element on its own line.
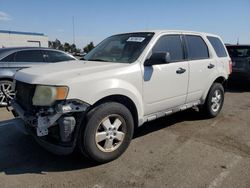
<point x="158" y="58"/>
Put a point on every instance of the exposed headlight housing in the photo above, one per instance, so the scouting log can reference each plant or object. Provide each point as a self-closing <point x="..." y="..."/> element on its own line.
<point x="47" y="95"/>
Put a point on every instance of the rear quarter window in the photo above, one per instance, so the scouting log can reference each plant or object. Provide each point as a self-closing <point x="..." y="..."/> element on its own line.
<point x="55" y="56"/>
<point x="218" y="46"/>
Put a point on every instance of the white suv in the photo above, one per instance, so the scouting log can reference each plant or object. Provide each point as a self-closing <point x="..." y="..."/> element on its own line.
<point x="128" y="79"/>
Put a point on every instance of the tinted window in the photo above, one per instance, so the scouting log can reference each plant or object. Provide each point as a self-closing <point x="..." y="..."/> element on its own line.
<point x="239" y="51"/>
<point x="218" y="46"/>
<point x="171" y="44"/>
<point x="9" y="58"/>
<point x="29" y="56"/>
<point x="196" y="47"/>
<point x="55" y="56"/>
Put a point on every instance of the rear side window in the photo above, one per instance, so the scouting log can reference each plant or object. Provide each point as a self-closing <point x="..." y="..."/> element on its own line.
<point x="218" y="46"/>
<point x="171" y="44"/>
<point x="55" y="56"/>
<point x="196" y="47"/>
<point x="9" y="58"/>
<point x="29" y="56"/>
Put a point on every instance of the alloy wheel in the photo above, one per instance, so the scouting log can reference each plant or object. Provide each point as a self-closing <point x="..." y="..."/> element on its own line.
<point x="110" y="133"/>
<point x="216" y="100"/>
<point x="9" y="93"/>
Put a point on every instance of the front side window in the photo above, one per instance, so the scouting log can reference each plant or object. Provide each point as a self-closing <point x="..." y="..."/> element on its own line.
<point x="124" y="48"/>
<point x="171" y="44"/>
<point x="55" y="56"/>
<point x="196" y="47"/>
<point x="218" y="46"/>
<point x="29" y="56"/>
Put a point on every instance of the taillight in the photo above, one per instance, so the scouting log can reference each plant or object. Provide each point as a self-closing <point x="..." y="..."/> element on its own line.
<point x="230" y="66"/>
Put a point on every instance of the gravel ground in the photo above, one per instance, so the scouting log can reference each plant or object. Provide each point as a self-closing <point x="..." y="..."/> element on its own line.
<point x="182" y="150"/>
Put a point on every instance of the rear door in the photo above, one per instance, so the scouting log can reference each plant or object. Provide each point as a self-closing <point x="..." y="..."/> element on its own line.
<point x="25" y="59"/>
<point x="201" y="66"/>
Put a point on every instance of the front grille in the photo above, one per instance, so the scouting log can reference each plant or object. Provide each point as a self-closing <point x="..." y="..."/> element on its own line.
<point x="24" y="95"/>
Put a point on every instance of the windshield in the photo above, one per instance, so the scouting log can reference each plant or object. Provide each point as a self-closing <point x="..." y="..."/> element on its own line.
<point x="124" y="48"/>
<point x="239" y="51"/>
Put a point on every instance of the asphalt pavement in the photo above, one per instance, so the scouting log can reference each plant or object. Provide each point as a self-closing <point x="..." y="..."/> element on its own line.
<point x="181" y="150"/>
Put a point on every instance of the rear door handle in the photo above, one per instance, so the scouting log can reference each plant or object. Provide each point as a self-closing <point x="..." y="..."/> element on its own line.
<point x="180" y="70"/>
<point x="210" y="66"/>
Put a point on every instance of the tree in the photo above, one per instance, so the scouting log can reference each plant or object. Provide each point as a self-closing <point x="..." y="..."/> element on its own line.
<point x="66" y="47"/>
<point x="50" y="44"/>
<point x="73" y="48"/>
<point x="56" y="44"/>
<point x="88" y="47"/>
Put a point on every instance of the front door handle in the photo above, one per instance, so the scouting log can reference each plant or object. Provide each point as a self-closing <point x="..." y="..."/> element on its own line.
<point x="210" y="66"/>
<point x="180" y="70"/>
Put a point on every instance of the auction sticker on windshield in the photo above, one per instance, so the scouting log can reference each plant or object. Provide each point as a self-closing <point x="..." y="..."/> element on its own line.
<point x="135" y="39"/>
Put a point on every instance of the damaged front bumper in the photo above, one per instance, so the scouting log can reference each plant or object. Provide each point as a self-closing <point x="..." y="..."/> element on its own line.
<point x="55" y="128"/>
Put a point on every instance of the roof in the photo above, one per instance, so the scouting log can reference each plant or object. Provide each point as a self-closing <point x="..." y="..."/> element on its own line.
<point x="25" y="48"/>
<point x="21" y="33"/>
<point x="173" y="31"/>
<point x="6" y="51"/>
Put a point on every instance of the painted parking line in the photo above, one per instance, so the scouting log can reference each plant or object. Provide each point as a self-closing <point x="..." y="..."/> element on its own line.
<point x="220" y="178"/>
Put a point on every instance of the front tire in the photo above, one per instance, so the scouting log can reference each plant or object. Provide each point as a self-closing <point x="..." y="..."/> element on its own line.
<point x="6" y="85"/>
<point x="214" y="101"/>
<point x="107" y="133"/>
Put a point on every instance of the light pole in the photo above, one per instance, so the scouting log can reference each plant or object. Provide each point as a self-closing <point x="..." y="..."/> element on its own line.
<point x="73" y="24"/>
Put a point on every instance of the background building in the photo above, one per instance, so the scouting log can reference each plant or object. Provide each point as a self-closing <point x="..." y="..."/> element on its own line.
<point x="16" y="38"/>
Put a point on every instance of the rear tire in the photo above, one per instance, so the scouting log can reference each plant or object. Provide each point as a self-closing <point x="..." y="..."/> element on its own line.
<point x="214" y="101"/>
<point x="108" y="131"/>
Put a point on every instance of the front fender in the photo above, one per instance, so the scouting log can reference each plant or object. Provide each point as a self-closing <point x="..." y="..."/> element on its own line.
<point x="91" y="93"/>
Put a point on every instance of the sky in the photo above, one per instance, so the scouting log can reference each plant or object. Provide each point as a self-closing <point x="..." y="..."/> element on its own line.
<point x="97" y="19"/>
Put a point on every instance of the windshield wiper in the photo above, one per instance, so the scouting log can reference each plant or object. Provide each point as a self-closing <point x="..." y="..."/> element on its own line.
<point x="95" y="60"/>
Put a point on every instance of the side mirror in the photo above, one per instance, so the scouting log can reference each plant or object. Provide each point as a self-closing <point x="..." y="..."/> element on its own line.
<point x="158" y="58"/>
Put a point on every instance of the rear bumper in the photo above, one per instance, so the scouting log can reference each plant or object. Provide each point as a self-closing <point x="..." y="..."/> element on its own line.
<point x="29" y="127"/>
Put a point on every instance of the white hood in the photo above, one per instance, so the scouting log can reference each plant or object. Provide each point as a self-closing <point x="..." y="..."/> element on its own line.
<point x="61" y="73"/>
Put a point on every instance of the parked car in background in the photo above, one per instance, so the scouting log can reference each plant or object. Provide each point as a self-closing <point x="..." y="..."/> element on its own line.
<point x="127" y="80"/>
<point x="240" y="55"/>
<point x="14" y="59"/>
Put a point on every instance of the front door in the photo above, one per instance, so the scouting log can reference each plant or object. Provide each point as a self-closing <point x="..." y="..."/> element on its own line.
<point x="165" y="86"/>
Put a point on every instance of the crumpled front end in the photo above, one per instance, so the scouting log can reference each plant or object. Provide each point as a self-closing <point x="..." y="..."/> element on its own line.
<point x="55" y="127"/>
